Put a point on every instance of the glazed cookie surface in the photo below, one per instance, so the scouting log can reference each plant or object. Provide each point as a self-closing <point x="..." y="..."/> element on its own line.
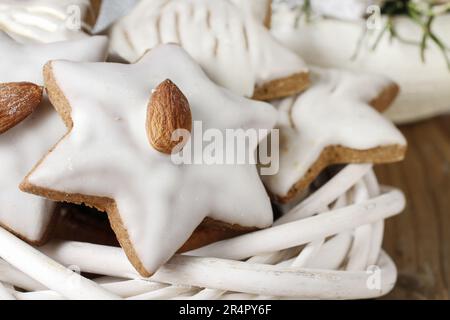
<point x="226" y="37"/>
<point x="47" y="20"/>
<point x="106" y="160"/>
<point x="22" y="145"/>
<point x="333" y="122"/>
<point x="261" y="9"/>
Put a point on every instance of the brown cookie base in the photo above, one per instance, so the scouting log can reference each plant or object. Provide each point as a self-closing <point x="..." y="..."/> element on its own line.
<point x="102" y="204"/>
<point x="210" y="231"/>
<point x="382" y="102"/>
<point x="268" y="18"/>
<point x="92" y="14"/>
<point x="342" y="155"/>
<point x="284" y="87"/>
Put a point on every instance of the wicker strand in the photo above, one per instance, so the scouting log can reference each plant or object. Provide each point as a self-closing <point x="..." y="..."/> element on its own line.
<point x="305" y="230"/>
<point x="48" y="272"/>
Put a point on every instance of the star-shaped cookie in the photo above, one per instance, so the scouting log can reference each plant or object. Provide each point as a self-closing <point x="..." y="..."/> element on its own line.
<point x="333" y="122"/>
<point x="47" y="21"/>
<point x="22" y="145"/>
<point x="106" y="160"/>
<point x="226" y="37"/>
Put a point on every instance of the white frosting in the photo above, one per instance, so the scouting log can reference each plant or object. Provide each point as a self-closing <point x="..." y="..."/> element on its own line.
<point x="259" y="8"/>
<point x="110" y="11"/>
<point x="421" y="96"/>
<point x="333" y="111"/>
<point x="23" y="145"/>
<point x="42" y="20"/>
<point x="107" y="153"/>
<point x="229" y="42"/>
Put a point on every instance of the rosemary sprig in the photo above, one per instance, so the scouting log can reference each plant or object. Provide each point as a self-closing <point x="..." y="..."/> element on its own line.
<point x="304" y="9"/>
<point x="422" y="13"/>
<point x="388" y="26"/>
<point x="307" y="9"/>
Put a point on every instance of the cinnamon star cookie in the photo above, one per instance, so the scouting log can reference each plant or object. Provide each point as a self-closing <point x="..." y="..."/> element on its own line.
<point x="335" y="121"/>
<point x="29" y="126"/>
<point x="116" y="155"/>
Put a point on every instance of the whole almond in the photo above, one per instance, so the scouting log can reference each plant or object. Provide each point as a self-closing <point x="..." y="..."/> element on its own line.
<point x="167" y="111"/>
<point x="17" y="101"/>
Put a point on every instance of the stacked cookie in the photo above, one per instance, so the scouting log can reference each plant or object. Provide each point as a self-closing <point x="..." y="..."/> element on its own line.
<point x="29" y="125"/>
<point x="189" y="62"/>
<point x="48" y="20"/>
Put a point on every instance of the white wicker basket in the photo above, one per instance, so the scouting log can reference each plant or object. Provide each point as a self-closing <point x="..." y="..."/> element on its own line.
<point x="327" y="247"/>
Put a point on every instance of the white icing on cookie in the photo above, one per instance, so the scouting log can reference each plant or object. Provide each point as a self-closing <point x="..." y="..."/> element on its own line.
<point x="259" y="8"/>
<point x="333" y="111"/>
<point x="44" y="20"/>
<point x="23" y="145"/>
<point x="107" y="153"/>
<point x="229" y="42"/>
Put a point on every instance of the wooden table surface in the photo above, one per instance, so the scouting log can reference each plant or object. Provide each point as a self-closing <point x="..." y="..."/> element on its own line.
<point x="419" y="239"/>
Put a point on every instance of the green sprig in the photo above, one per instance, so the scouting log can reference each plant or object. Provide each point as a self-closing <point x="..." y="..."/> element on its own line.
<point x="423" y="15"/>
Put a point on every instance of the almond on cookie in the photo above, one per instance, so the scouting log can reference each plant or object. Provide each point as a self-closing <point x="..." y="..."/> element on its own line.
<point x="29" y="126"/>
<point x="116" y="156"/>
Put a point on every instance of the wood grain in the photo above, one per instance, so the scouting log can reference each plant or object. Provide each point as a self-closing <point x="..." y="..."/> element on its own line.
<point x="419" y="239"/>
